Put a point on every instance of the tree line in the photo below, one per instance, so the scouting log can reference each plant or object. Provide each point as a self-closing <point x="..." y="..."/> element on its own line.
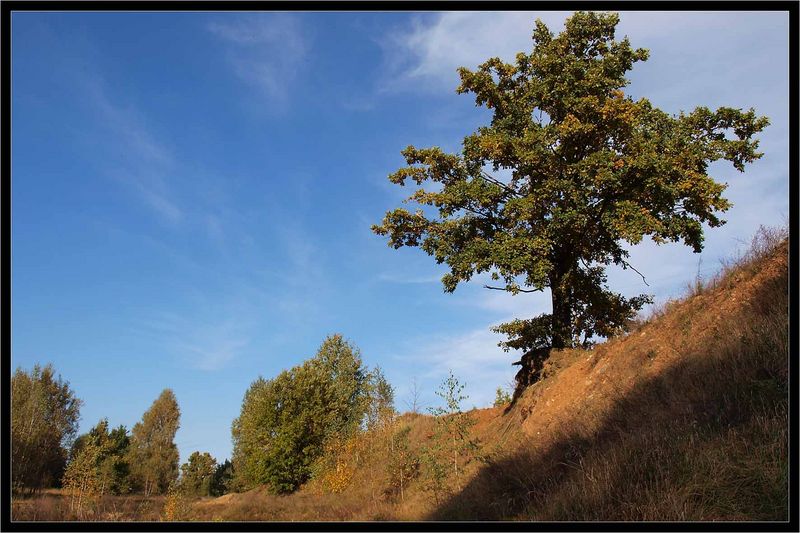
<point x="319" y="419"/>
<point x="47" y="452"/>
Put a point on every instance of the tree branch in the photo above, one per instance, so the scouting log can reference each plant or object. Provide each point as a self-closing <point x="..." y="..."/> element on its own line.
<point x="491" y="179"/>
<point x="507" y="289"/>
<point x="625" y="264"/>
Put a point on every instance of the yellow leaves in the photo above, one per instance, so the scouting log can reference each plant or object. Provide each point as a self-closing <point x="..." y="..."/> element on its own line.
<point x="339" y="462"/>
<point x="176" y="506"/>
<point x="619" y="163"/>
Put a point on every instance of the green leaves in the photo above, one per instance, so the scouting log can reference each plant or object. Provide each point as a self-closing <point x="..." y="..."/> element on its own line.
<point x="285" y="422"/>
<point x="590" y="169"/>
<point x="153" y="453"/>
<point x="197" y="474"/>
<point x="44" y="420"/>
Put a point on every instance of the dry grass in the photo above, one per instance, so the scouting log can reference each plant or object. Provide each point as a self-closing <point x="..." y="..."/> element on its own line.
<point x="685" y="418"/>
<point x="53" y="505"/>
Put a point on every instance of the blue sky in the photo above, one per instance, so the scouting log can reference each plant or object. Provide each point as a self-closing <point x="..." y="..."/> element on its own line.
<point x="192" y="193"/>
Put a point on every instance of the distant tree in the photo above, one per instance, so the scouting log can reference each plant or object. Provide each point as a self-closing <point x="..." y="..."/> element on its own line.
<point x="285" y="422"/>
<point x="153" y="454"/>
<point x="413" y="402"/>
<point x="197" y="474"/>
<point x="44" y="421"/>
<point x="567" y="173"/>
<point x="379" y="396"/>
<point x="502" y="397"/>
<point x="112" y="469"/>
<point x="82" y="478"/>
<point x="223" y="478"/>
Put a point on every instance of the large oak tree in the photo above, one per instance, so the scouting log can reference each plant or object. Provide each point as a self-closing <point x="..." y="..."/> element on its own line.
<point x="569" y="170"/>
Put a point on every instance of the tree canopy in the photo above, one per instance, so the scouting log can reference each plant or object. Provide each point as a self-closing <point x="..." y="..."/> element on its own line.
<point x="568" y="172"/>
<point x="286" y="421"/>
<point x="197" y="474"/>
<point x="44" y="421"/>
<point x="153" y="454"/>
<point x="109" y="457"/>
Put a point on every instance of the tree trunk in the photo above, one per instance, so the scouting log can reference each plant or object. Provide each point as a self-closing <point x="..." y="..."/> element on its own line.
<point x="562" y="312"/>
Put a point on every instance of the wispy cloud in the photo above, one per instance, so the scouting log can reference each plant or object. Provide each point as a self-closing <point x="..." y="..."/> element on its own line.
<point x="389" y="277"/>
<point x="207" y="344"/>
<point x="136" y="157"/>
<point x="264" y="50"/>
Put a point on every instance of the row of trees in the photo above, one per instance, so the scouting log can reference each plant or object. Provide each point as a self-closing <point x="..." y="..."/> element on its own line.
<point x="115" y="462"/>
<point x="286" y="422"/>
<point x="46" y="452"/>
<point x="319" y="418"/>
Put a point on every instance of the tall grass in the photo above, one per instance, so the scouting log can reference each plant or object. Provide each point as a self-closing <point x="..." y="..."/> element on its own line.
<point x="706" y="439"/>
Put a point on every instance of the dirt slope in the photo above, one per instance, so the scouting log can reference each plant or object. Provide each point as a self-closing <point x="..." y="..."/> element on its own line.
<point x="685" y="418"/>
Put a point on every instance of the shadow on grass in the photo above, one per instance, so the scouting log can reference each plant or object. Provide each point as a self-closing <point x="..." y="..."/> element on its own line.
<point x="707" y="439"/>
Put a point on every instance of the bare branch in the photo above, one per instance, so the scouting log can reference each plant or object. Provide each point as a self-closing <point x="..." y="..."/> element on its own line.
<point x="625" y="264"/>
<point x="491" y="179"/>
<point x="509" y="290"/>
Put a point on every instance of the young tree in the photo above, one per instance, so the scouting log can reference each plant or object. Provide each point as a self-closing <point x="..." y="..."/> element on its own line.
<point x="81" y="478"/>
<point x="452" y="429"/>
<point x="379" y="397"/>
<point x="153" y="454"/>
<point x="403" y="463"/>
<point x="502" y="397"/>
<point x="44" y="421"/>
<point x="197" y="474"/>
<point x="568" y="171"/>
<point x="413" y="402"/>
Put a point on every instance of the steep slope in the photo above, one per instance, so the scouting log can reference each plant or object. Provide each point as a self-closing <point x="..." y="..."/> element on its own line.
<point x="685" y="418"/>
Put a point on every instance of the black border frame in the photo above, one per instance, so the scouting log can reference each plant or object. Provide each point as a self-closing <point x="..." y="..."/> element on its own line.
<point x="8" y="7"/>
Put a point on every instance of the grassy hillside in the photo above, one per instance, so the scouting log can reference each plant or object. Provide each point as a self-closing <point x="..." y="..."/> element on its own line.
<point x="684" y="418"/>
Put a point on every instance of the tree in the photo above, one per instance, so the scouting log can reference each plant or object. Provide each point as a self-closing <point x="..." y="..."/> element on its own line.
<point x="285" y="422"/>
<point x="44" y="421"/>
<point x="403" y="463"/>
<point x="413" y="402"/>
<point x="111" y="467"/>
<point x="568" y="171"/>
<point x="81" y="478"/>
<point x="197" y="474"/>
<point x="223" y="477"/>
<point x="501" y="398"/>
<point x="153" y="454"/>
<point x="452" y="425"/>
<point x="379" y="397"/>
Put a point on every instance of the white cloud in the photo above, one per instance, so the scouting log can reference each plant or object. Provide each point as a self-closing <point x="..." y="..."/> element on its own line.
<point x="473" y="357"/>
<point x="426" y="55"/>
<point x="265" y="50"/>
